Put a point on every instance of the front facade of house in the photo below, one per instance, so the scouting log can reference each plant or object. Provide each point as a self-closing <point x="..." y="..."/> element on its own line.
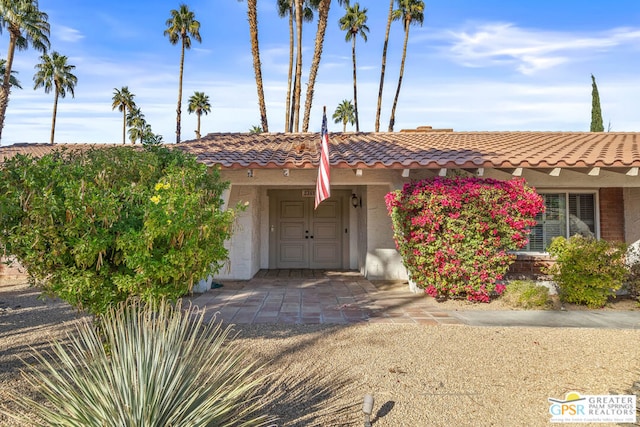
<point x="589" y="181"/>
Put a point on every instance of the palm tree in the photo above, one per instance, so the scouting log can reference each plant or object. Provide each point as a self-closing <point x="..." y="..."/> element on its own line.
<point x="199" y="103"/>
<point x="55" y="73"/>
<point x="384" y="65"/>
<point x="152" y="138"/>
<point x="354" y="23"/>
<point x="182" y="26"/>
<point x="323" y="15"/>
<point x="147" y="133"/>
<point x="13" y="80"/>
<point x="123" y="101"/>
<point x="285" y="8"/>
<point x="252" y="13"/>
<point x="297" y="82"/>
<point x="137" y="124"/>
<point x="26" y="25"/>
<point x="255" y="129"/>
<point x="411" y="12"/>
<point x="344" y="113"/>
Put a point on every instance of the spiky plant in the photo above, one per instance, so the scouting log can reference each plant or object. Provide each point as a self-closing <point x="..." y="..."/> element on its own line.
<point x="162" y="367"/>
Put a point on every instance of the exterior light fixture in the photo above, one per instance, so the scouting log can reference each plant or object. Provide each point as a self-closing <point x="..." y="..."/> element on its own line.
<point x="367" y="409"/>
<point x="355" y="201"/>
<point x="250" y="173"/>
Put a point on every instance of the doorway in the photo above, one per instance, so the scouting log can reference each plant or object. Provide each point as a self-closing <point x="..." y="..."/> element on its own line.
<point x="303" y="237"/>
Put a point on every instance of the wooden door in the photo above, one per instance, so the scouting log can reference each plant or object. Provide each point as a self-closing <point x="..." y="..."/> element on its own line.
<point x="306" y="237"/>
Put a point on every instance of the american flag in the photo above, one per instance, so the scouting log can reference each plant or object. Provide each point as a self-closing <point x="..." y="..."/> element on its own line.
<point x="322" y="185"/>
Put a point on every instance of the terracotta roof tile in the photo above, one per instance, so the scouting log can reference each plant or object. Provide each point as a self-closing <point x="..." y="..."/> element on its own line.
<point x="39" y="150"/>
<point x="428" y="149"/>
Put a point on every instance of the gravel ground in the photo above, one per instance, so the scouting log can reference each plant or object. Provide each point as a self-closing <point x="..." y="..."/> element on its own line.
<point x="419" y="376"/>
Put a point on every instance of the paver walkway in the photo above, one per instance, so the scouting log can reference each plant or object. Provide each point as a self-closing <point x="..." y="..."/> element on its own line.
<point x="342" y="297"/>
<point x="318" y="296"/>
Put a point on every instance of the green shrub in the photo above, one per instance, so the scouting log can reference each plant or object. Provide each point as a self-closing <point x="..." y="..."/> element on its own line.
<point x="165" y="366"/>
<point x="587" y="271"/>
<point x="526" y="294"/>
<point x="95" y="228"/>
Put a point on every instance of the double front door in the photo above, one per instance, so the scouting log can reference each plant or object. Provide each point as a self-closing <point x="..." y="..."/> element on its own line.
<point x="304" y="237"/>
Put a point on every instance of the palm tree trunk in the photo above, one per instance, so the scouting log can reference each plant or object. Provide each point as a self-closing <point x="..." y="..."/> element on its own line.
<point x="293" y="101"/>
<point x="124" y="124"/>
<point x="298" y="81"/>
<point x="384" y="65"/>
<point x="198" y="131"/>
<point x="287" y="111"/>
<point x="252" y="13"/>
<point x="53" y="119"/>
<point x="355" y="85"/>
<point x="179" y="108"/>
<point x="5" y="89"/>
<point x="323" y="15"/>
<point x="392" y="120"/>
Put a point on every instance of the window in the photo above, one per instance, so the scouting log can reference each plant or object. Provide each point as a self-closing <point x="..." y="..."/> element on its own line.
<point x="566" y="214"/>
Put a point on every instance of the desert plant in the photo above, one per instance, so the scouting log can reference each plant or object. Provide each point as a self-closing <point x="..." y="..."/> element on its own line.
<point x="526" y="294"/>
<point x="455" y="234"/>
<point x="97" y="227"/>
<point x="587" y="271"/>
<point x="161" y="366"/>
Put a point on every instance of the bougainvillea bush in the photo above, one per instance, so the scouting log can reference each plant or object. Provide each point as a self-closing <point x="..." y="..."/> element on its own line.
<point x="455" y="234"/>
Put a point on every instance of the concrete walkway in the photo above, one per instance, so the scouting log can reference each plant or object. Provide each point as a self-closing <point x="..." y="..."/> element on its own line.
<point x="344" y="297"/>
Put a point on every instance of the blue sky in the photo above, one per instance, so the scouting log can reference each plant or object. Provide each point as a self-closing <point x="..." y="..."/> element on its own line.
<point x="473" y="66"/>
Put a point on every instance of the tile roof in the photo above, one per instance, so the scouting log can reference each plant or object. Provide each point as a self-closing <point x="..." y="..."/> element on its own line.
<point x="431" y="149"/>
<point x="415" y="149"/>
<point x="39" y="150"/>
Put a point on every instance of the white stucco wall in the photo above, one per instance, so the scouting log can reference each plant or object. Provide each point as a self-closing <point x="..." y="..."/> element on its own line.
<point x="382" y="260"/>
<point x="244" y="246"/>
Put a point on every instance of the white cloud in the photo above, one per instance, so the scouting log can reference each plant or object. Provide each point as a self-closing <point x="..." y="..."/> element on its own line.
<point x="67" y="34"/>
<point x="529" y="50"/>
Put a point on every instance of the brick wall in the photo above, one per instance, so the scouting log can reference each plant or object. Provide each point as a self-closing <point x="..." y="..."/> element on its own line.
<point x="529" y="266"/>
<point x="612" y="214"/>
